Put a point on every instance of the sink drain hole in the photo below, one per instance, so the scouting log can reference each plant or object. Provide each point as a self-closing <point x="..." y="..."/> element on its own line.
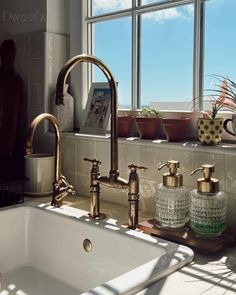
<point x="87" y="245"/>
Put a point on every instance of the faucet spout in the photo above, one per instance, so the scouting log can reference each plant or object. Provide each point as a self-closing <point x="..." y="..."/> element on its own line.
<point x="30" y="138"/>
<point x="60" y="187"/>
<point x="61" y="80"/>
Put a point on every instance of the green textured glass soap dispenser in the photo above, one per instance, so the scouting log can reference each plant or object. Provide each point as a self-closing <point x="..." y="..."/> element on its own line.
<point x="208" y="206"/>
<point x="172" y="198"/>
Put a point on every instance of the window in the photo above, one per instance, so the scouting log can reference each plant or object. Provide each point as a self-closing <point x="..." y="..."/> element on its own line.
<point x="154" y="48"/>
<point x="220" y="40"/>
<point x="166" y="56"/>
<point x="116" y="53"/>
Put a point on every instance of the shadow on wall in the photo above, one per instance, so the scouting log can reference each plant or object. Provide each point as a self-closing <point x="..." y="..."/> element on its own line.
<point x="13" y="117"/>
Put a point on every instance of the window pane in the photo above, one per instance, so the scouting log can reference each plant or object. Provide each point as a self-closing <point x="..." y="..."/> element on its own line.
<point x="144" y="2"/>
<point x="112" y="44"/>
<point x="167" y="58"/>
<point x="220" y="41"/>
<point x="107" y="6"/>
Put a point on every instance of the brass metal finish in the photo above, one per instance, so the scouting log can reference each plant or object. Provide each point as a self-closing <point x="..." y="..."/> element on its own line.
<point x="172" y="178"/>
<point x="60" y="187"/>
<point x="61" y="80"/>
<point x="95" y="190"/>
<point x="133" y="195"/>
<point x="207" y="184"/>
<point x="113" y="180"/>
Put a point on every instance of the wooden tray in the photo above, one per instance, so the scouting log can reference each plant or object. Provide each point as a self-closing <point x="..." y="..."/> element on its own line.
<point x="186" y="237"/>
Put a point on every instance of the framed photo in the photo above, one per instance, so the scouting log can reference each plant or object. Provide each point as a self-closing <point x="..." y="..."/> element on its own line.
<point x="97" y="111"/>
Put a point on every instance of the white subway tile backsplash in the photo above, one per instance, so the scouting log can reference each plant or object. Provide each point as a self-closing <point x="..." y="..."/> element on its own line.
<point x="84" y="148"/>
<point x="36" y="70"/>
<point x="128" y="154"/>
<point x="68" y="156"/>
<point x="53" y="67"/>
<point x="230" y="174"/>
<point x="22" y="46"/>
<point x="36" y="95"/>
<point x="37" y="45"/>
<point x="102" y="153"/>
<point x="82" y="184"/>
<point x="151" y="158"/>
<point x="231" y="208"/>
<point x="56" y="46"/>
<point x="22" y="69"/>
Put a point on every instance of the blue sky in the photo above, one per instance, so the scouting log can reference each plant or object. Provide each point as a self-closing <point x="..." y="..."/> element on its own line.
<point x="167" y="49"/>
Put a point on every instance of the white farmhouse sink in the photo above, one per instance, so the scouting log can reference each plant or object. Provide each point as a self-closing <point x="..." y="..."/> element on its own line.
<point x="42" y="253"/>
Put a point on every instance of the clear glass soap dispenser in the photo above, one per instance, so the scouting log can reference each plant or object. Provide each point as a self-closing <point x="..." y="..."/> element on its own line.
<point x="208" y="206"/>
<point x="172" y="199"/>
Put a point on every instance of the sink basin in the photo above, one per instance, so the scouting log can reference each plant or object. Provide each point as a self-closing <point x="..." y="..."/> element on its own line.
<point x="46" y="251"/>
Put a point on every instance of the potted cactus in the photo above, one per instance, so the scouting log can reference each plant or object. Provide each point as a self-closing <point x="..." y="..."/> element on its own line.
<point x="149" y="123"/>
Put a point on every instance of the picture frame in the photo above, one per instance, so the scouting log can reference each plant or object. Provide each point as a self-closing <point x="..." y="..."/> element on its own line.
<point x="97" y="111"/>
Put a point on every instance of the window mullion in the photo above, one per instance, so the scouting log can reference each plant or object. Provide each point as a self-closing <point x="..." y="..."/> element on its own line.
<point x="198" y="59"/>
<point x="134" y="81"/>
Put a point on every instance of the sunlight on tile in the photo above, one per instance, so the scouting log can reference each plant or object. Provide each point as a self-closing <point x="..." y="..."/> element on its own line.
<point x="21" y="292"/>
<point x="111" y="221"/>
<point x="112" y="227"/>
<point x="11" y="287"/>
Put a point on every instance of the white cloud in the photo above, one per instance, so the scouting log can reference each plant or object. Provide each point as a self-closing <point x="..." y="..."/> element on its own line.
<point x="111" y="5"/>
<point x="164" y="15"/>
<point x="189" y="9"/>
<point x="171" y="13"/>
<point x="103" y="6"/>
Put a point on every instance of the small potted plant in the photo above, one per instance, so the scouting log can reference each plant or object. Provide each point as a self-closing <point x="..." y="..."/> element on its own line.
<point x="125" y="124"/>
<point x="176" y="128"/>
<point x="210" y="127"/>
<point x="149" y="122"/>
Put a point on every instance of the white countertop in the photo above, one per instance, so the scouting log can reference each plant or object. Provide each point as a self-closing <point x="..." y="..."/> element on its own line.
<point x="207" y="274"/>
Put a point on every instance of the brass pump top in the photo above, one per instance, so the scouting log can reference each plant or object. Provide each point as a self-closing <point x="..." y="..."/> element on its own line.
<point x="207" y="184"/>
<point x="172" y="178"/>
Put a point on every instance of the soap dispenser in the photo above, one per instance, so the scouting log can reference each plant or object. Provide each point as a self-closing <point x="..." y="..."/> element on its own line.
<point x="208" y="206"/>
<point x="172" y="199"/>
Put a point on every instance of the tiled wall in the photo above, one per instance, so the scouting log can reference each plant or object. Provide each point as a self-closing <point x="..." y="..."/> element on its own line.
<point x="39" y="58"/>
<point x="151" y="155"/>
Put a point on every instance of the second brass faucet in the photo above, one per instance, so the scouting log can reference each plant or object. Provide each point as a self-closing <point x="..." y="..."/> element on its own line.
<point x="61" y="187"/>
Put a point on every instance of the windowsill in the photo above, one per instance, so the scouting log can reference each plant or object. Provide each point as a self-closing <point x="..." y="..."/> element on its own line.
<point x="221" y="148"/>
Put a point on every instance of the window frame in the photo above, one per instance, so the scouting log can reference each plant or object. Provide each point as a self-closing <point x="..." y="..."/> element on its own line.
<point x="134" y="12"/>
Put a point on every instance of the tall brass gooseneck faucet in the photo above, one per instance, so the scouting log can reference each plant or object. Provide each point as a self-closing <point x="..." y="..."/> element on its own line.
<point x="61" y="187"/>
<point x="113" y="180"/>
<point x="61" y="80"/>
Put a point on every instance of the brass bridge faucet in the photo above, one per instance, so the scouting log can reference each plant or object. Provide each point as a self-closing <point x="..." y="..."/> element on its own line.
<point x="132" y="186"/>
<point x="61" y="187"/>
<point x="112" y="180"/>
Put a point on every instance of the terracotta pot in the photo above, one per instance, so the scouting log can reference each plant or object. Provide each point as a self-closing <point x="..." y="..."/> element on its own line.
<point x="149" y="128"/>
<point x="210" y="130"/>
<point x="176" y="128"/>
<point x="125" y="125"/>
